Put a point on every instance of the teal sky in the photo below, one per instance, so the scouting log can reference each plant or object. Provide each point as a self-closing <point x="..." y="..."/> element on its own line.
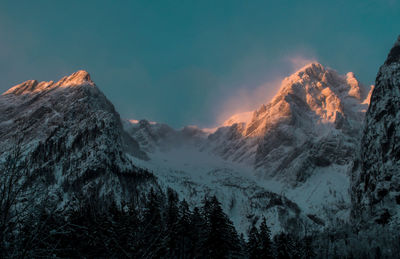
<point x="186" y="62"/>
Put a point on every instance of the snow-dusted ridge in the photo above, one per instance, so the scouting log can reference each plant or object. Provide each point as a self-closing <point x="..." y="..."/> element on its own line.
<point x="79" y="78"/>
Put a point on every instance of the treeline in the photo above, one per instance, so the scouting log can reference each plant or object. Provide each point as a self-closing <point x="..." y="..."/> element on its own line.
<point x="33" y="224"/>
<point x="163" y="227"/>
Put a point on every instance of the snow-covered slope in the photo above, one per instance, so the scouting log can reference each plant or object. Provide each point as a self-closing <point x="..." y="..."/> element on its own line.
<point x="70" y="135"/>
<point x="376" y="182"/>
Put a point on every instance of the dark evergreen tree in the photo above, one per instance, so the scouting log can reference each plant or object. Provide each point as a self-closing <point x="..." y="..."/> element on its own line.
<point x="222" y="240"/>
<point x="378" y="253"/>
<point x="243" y="245"/>
<point x="308" y="249"/>
<point x="125" y="229"/>
<point x="283" y="246"/>
<point x="254" y="243"/>
<point x="172" y="217"/>
<point x="184" y="231"/>
<point x="199" y="233"/>
<point x="151" y="244"/>
<point x="265" y="240"/>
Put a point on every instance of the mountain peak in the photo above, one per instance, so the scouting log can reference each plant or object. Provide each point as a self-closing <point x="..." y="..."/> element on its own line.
<point x="394" y="54"/>
<point x="80" y="77"/>
<point x="312" y="67"/>
<point x="313" y="72"/>
<point x="314" y="78"/>
<point x="313" y="90"/>
<point x="397" y="43"/>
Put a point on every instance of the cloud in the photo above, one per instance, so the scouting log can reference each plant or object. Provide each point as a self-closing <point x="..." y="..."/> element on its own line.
<point x="299" y="61"/>
<point x="247" y="99"/>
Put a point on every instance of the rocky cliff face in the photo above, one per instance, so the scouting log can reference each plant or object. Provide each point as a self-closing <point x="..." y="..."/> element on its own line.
<point x="70" y="135"/>
<point x="376" y="181"/>
<point x="314" y="121"/>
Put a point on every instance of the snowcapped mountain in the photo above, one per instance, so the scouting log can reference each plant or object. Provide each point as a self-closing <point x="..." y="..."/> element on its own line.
<point x="70" y="136"/>
<point x="313" y="121"/>
<point x="288" y="160"/>
<point x="375" y="186"/>
<point x="299" y="147"/>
